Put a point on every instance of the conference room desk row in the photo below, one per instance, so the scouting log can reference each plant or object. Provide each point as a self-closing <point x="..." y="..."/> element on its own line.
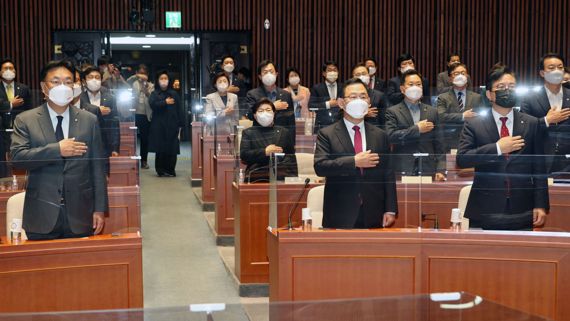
<point x="527" y="271"/>
<point x="97" y="273"/>
<point x="251" y="208"/>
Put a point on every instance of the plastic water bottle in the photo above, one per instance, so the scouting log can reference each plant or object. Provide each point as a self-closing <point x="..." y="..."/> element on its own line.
<point x="241" y="176"/>
<point x="14" y="183"/>
<point x="219" y="149"/>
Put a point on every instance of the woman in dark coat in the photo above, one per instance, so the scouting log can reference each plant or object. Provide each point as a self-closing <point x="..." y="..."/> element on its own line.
<point x="167" y="118"/>
<point x="263" y="139"/>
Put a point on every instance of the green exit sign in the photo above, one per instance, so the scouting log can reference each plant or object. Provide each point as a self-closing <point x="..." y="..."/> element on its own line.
<point x="173" y="19"/>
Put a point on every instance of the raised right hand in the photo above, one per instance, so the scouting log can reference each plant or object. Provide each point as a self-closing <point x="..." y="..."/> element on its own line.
<point x="425" y="126"/>
<point x="510" y="144"/>
<point x="69" y="147"/>
<point x="170" y="101"/>
<point x="273" y="149"/>
<point x="366" y="159"/>
<point x="556" y="115"/>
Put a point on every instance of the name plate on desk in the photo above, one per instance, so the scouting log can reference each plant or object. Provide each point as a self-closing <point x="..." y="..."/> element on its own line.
<point x="417" y="180"/>
<point x="550" y="181"/>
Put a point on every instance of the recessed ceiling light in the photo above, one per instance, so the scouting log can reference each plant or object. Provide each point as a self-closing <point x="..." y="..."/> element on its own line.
<point x="146" y="46"/>
<point x="150" y="36"/>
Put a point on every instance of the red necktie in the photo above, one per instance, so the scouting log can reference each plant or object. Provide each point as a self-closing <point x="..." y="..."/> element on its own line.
<point x="505" y="133"/>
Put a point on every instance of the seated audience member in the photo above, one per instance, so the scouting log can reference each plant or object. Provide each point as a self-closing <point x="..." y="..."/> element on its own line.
<point x="353" y="155"/>
<point x="261" y="140"/>
<point x="414" y="127"/>
<point x="377" y="111"/>
<point x="60" y="147"/>
<point x="221" y="107"/>
<point x="325" y="95"/>
<point x="375" y="81"/>
<point x="299" y="94"/>
<point x="393" y="92"/>
<point x="509" y="191"/>
<point x="456" y="105"/>
<point x="101" y="97"/>
<point x="551" y="105"/>
<point x="281" y="99"/>
<point x="444" y="83"/>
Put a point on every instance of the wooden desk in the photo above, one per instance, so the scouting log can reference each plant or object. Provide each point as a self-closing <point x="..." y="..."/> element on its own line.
<point x="128" y="132"/>
<point x="528" y="271"/>
<point x="124" y="171"/>
<point x="96" y="273"/>
<point x="196" y="150"/>
<point x="305" y="144"/>
<point x="224" y="169"/>
<point x="208" y="179"/>
<point x="251" y="213"/>
<point x="124" y="210"/>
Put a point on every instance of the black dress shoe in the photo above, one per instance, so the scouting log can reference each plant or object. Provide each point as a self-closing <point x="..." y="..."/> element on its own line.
<point x="144" y="165"/>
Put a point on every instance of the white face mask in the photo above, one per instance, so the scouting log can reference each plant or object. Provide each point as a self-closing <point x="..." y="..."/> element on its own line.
<point x="553" y="77"/>
<point x="414" y="93"/>
<point x="76" y="90"/>
<point x="61" y="95"/>
<point x="332" y="76"/>
<point x="229" y="68"/>
<point x="269" y="79"/>
<point x="8" y="75"/>
<point x="163" y="84"/>
<point x="371" y="70"/>
<point x="408" y="67"/>
<point x="94" y="84"/>
<point x="365" y="79"/>
<point x="264" y="118"/>
<point x="222" y="87"/>
<point x="460" y="80"/>
<point x="294" y="81"/>
<point x="357" y="108"/>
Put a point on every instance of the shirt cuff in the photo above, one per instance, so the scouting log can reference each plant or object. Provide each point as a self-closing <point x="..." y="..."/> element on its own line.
<point x="546" y="121"/>
<point x="499" y="150"/>
<point x="328" y="105"/>
<point x="390" y="213"/>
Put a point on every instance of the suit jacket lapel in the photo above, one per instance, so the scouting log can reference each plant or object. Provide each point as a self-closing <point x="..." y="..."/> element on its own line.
<point x="343" y="137"/>
<point x="370" y="143"/>
<point x="491" y="127"/>
<point x="45" y="124"/>
<point x="519" y="129"/>
<point x="73" y="122"/>
<point x="407" y="114"/>
<point x="565" y="98"/>
<point x="543" y="100"/>
<point x="218" y="102"/>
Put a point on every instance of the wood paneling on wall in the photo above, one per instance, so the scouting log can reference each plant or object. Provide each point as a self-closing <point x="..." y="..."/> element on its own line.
<point x="305" y="33"/>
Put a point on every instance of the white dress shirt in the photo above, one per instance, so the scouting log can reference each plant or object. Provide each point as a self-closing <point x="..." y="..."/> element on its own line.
<point x="64" y="123"/>
<point x="95" y="99"/>
<point x="332" y="92"/>
<point x="555" y="101"/>
<point x="499" y="123"/>
<point x="351" y="132"/>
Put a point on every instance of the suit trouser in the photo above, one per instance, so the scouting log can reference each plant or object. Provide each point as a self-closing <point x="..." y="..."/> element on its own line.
<point x="61" y="230"/>
<point x="165" y="163"/>
<point x="504" y="221"/>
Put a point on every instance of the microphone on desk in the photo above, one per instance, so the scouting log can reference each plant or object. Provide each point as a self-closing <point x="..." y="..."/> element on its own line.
<point x="289" y="217"/>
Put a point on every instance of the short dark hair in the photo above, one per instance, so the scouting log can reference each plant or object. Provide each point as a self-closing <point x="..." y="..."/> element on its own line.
<point x="224" y="57"/>
<point x="142" y="67"/>
<point x="453" y="66"/>
<point x="497" y="72"/>
<point x="357" y="65"/>
<point x="567" y="70"/>
<point x="7" y="60"/>
<point x="103" y="60"/>
<point x="89" y="70"/>
<point x="371" y="59"/>
<point x="265" y="63"/>
<point x="409" y="73"/>
<point x="262" y="101"/>
<point x="54" y="64"/>
<point x="548" y="56"/>
<point x="404" y="57"/>
<point x="328" y="63"/>
<point x="290" y="70"/>
<point x="218" y="76"/>
<point x="163" y="72"/>
<point x="453" y="54"/>
<point x="352" y="81"/>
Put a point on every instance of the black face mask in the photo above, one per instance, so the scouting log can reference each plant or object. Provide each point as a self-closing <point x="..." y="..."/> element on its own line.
<point x="505" y="98"/>
<point x="566" y="84"/>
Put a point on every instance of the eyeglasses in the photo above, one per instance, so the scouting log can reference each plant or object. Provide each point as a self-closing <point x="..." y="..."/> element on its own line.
<point x="57" y="82"/>
<point x="505" y="87"/>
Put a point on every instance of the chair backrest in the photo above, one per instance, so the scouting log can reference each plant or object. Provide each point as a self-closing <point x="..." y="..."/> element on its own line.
<point x="462" y="204"/>
<point x="246" y="123"/>
<point x="305" y="164"/>
<point x="315" y="199"/>
<point x="15" y="209"/>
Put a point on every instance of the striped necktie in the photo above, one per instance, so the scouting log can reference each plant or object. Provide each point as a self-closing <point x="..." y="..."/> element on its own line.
<point x="460" y="101"/>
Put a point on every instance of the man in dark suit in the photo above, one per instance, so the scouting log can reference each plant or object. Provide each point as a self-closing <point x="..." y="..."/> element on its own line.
<point x="377" y="111"/>
<point x="551" y="105"/>
<point x="82" y="104"/>
<point x="444" y="82"/>
<point x="414" y="127"/>
<point x="360" y="189"/>
<point x="281" y="99"/>
<point x="393" y="93"/>
<point x="375" y="81"/>
<point x="456" y="105"/>
<point x="100" y="96"/>
<point x="60" y="147"/>
<point x="509" y="189"/>
<point x="325" y="95"/>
